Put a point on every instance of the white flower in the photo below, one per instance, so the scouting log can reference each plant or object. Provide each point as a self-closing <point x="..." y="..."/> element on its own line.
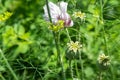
<point x="58" y="12"/>
<point x="74" y="46"/>
<point x="80" y="15"/>
<point x="103" y="59"/>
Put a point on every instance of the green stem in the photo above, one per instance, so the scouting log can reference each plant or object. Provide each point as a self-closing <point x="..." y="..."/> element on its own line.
<point x="2" y="77"/>
<point x="8" y="65"/>
<point x="80" y="54"/>
<point x="59" y="56"/>
<point x="70" y="61"/>
<point x="81" y="64"/>
<point x="76" y="67"/>
<point x="112" y="72"/>
<point x="48" y="11"/>
<point x="68" y="34"/>
<point x="79" y="31"/>
<point x="56" y="43"/>
<point x="104" y="36"/>
<point x="100" y="75"/>
<point x="96" y="29"/>
<point x="24" y="75"/>
<point x="71" y="71"/>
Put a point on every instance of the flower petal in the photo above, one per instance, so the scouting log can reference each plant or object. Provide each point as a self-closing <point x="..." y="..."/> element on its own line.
<point x="54" y="12"/>
<point x="65" y="16"/>
<point x="63" y="6"/>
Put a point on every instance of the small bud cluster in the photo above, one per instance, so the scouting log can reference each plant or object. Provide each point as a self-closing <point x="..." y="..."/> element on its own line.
<point x="5" y="16"/>
<point x="59" y="25"/>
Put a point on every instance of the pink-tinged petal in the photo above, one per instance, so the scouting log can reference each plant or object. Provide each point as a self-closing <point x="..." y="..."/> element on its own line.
<point x="67" y="19"/>
<point x="58" y="12"/>
<point x="68" y="23"/>
<point x="65" y="16"/>
<point x="54" y="11"/>
<point x="63" y="6"/>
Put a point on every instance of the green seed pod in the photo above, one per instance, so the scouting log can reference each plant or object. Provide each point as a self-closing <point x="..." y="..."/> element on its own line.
<point x="70" y="55"/>
<point x="103" y="62"/>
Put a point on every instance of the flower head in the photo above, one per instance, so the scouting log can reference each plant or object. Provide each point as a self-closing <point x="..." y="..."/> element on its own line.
<point x="74" y="46"/>
<point x="58" y="12"/>
<point x="104" y="60"/>
<point x="79" y="15"/>
<point x="59" y="25"/>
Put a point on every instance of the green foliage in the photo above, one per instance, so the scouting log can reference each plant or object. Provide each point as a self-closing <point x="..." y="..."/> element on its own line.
<point x="29" y="45"/>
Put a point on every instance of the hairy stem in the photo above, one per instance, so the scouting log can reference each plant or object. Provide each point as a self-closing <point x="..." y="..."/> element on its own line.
<point x="70" y="66"/>
<point x="56" y="43"/>
<point x="59" y="56"/>
<point x="76" y="67"/>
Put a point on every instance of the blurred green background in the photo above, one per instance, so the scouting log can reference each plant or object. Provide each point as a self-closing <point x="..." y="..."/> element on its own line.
<point x="29" y="45"/>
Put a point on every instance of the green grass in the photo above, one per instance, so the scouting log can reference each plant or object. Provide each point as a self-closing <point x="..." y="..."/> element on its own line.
<point x="31" y="51"/>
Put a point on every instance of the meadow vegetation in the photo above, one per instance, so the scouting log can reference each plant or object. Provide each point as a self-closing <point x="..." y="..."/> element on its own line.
<point x="81" y="43"/>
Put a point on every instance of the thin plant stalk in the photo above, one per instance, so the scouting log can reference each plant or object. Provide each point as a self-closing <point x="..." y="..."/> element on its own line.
<point x="2" y="77"/>
<point x="80" y="54"/>
<point x="74" y="59"/>
<point x="100" y="75"/>
<point x="80" y="58"/>
<point x="68" y="34"/>
<point x="59" y="56"/>
<point x="104" y="36"/>
<point x="112" y="70"/>
<point x="24" y="75"/>
<point x="71" y="71"/>
<point x="76" y="67"/>
<point x="70" y="61"/>
<point x="81" y="64"/>
<point x="96" y="28"/>
<point x="8" y="65"/>
<point x="101" y="16"/>
<point x="56" y="43"/>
